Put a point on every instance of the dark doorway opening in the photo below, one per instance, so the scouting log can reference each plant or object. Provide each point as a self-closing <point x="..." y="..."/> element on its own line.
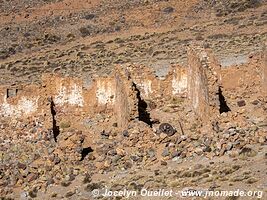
<point x="86" y="151"/>
<point x="143" y="114"/>
<point x="223" y="104"/>
<point x="53" y="113"/>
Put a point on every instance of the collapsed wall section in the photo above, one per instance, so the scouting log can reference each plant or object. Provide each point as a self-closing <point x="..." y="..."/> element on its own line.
<point x="151" y="87"/>
<point x="265" y="69"/>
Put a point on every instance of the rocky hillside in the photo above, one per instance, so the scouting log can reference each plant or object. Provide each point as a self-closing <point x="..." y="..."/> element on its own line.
<point x="133" y="95"/>
<point x="92" y="36"/>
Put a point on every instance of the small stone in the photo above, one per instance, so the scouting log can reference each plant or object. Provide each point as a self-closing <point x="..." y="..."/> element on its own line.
<point x="87" y="178"/>
<point x="115" y="158"/>
<point x="224" y="114"/>
<point x="237" y="178"/>
<point x="168" y="10"/>
<point x="177" y="160"/>
<point x="57" y="160"/>
<point x="262" y="124"/>
<point x="207" y="149"/>
<point x="22" y="166"/>
<point x="120" y="151"/>
<point x="115" y="124"/>
<point x="198" y="151"/>
<point x="128" y="165"/>
<point x="70" y="193"/>
<point x="65" y="183"/>
<point x="92" y="186"/>
<point x="156" y="172"/>
<point x="251" y="180"/>
<point x="31" y="177"/>
<point x="33" y="193"/>
<point x="241" y="103"/>
<point x="50" y="181"/>
<point x="253" y="128"/>
<point x="104" y="134"/>
<point x="164" y="163"/>
<point x="229" y="146"/>
<point x="222" y="151"/>
<point x="247" y="151"/>
<point x="165" y="152"/>
<point x="70" y="177"/>
<point x="194" y="137"/>
<point x="255" y="102"/>
<point x="262" y="140"/>
<point x="89" y="16"/>
<point x="176" y="154"/>
<point x="125" y="133"/>
<point x="107" y="164"/>
<point x="167" y="129"/>
<point x="233" y="153"/>
<point x="151" y="153"/>
<point x="171" y="144"/>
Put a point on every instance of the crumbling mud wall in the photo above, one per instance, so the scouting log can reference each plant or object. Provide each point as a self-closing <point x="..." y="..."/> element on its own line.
<point x="126" y="101"/>
<point x="105" y="91"/>
<point x="69" y="96"/>
<point x="66" y="93"/>
<point x="265" y="69"/>
<point x="243" y="91"/>
<point x="179" y="80"/>
<point x="203" y="82"/>
<point x="150" y="86"/>
<point x="15" y="102"/>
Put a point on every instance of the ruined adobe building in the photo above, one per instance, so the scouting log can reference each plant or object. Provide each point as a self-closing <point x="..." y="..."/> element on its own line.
<point x="120" y="93"/>
<point x="265" y="69"/>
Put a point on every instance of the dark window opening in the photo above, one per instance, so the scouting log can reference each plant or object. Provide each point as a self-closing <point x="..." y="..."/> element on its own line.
<point x="11" y="92"/>
<point x="223" y="104"/>
<point x="144" y="115"/>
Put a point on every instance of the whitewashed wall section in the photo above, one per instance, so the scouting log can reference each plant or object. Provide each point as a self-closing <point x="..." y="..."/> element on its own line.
<point x="105" y="92"/>
<point x="179" y="83"/>
<point x="25" y="106"/>
<point x="72" y="95"/>
<point x="145" y="87"/>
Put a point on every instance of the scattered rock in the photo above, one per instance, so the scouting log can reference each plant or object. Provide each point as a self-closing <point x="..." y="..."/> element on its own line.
<point x="167" y="129"/>
<point x="168" y="10"/>
<point x="165" y="152"/>
<point x="125" y="133"/>
<point x="241" y="103"/>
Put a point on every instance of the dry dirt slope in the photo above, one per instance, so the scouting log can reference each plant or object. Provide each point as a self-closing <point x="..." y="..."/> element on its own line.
<point x="85" y="37"/>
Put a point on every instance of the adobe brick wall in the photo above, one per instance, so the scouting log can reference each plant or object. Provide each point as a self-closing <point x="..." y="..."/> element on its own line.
<point x="68" y="94"/>
<point x="203" y="82"/>
<point x="151" y="87"/>
<point x="126" y="102"/>
<point x="265" y="69"/>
